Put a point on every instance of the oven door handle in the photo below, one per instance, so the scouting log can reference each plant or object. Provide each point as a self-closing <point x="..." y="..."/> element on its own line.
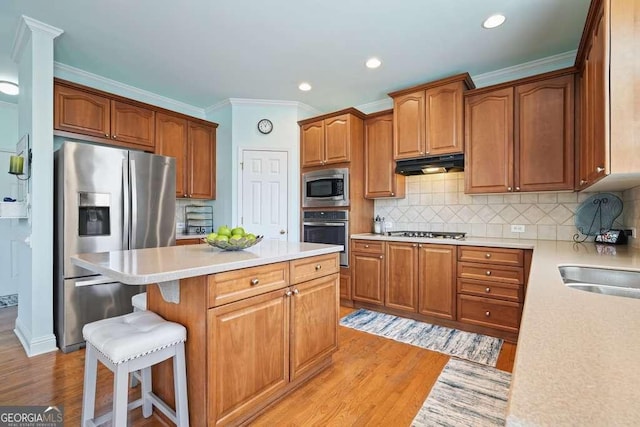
<point x="326" y="224"/>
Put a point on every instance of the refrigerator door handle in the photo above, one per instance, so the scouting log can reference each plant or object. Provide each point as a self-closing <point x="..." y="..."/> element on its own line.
<point x="125" y="203"/>
<point x="99" y="280"/>
<point x="134" y="205"/>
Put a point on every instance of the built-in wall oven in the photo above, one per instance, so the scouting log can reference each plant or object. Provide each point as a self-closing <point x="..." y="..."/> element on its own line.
<point x="325" y="188"/>
<point x="331" y="227"/>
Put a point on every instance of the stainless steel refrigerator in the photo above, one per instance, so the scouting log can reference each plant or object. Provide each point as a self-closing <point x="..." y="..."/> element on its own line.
<point x="106" y="199"/>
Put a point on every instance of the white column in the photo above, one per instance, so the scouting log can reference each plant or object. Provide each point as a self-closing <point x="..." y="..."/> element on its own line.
<point x="33" y="52"/>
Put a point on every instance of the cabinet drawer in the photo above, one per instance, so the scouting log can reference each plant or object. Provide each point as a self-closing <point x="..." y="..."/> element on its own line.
<point x="367" y="246"/>
<point x="239" y="284"/>
<point x="497" y="256"/>
<point x="314" y="267"/>
<point x="486" y="272"/>
<point x="490" y="289"/>
<point x="488" y="312"/>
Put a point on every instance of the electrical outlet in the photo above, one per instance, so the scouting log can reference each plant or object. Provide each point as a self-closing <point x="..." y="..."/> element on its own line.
<point x="516" y="228"/>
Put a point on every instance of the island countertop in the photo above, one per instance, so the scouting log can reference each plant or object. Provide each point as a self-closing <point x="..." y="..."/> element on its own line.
<point x="153" y="265"/>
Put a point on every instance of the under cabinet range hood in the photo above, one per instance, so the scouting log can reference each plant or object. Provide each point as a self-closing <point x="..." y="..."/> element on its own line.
<point x="427" y="165"/>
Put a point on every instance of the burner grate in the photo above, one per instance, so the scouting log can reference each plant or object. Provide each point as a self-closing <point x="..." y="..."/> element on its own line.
<point x="429" y="234"/>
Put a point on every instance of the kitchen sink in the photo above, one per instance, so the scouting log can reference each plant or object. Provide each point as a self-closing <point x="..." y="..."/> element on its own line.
<point x="620" y="283"/>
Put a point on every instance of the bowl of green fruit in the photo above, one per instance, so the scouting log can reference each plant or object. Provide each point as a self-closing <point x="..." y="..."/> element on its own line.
<point x="232" y="239"/>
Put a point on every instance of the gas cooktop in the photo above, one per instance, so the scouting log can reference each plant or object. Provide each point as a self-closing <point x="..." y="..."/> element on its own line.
<point x="429" y="234"/>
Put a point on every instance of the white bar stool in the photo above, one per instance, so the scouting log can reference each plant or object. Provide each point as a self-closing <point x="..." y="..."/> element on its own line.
<point x="128" y="343"/>
<point x="139" y="302"/>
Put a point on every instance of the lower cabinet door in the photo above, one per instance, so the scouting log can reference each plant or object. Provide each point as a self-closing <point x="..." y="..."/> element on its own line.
<point x="437" y="280"/>
<point x="248" y="360"/>
<point x="314" y="322"/>
<point x="401" y="291"/>
<point x="368" y="278"/>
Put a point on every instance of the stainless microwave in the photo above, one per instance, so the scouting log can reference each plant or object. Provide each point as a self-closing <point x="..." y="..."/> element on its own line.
<point x="326" y="187"/>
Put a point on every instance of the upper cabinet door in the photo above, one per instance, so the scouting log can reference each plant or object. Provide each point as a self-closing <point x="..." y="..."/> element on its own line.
<point x="202" y="161"/>
<point x="337" y="142"/>
<point x="489" y="142"/>
<point x="408" y="129"/>
<point x="380" y="179"/>
<point x="132" y="124"/>
<point x="171" y="140"/>
<point x="82" y="112"/>
<point x="443" y="111"/>
<point x="312" y="141"/>
<point x="544" y="135"/>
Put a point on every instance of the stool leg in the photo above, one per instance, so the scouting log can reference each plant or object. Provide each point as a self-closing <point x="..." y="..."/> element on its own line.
<point x="89" y="392"/>
<point x="147" y="406"/>
<point x="180" y="384"/>
<point x="120" y="394"/>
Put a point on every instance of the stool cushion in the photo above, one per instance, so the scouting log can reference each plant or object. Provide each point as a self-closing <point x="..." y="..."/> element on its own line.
<point x="139" y="301"/>
<point x="133" y="335"/>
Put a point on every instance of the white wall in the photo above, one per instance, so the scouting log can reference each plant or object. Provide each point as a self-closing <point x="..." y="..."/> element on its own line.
<point x="8" y="188"/>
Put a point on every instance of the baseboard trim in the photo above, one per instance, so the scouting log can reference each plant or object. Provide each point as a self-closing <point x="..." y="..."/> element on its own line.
<point x="34" y="347"/>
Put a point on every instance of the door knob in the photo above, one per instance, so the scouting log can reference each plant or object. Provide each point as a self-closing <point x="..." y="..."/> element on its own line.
<point x="282" y="232"/>
<point x="600" y="169"/>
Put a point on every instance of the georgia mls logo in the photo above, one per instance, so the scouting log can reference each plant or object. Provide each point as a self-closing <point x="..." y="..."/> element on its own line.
<point x="31" y="416"/>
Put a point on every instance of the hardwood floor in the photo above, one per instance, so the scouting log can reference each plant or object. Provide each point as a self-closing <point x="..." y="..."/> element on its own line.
<point x="373" y="381"/>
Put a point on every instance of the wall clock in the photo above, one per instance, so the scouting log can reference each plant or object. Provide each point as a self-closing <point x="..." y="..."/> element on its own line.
<point x="265" y="126"/>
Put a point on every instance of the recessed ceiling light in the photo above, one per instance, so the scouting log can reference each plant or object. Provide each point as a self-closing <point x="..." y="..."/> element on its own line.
<point x="373" y="63"/>
<point x="9" y="88"/>
<point x="304" y="86"/>
<point x="494" y="21"/>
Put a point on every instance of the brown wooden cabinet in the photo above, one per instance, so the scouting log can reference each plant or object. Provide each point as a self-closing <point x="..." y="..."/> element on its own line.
<point x="368" y="272"/>
<point x="184" y="242"/>
<point x="80" y="111"/>
<point x="437" y="280"/>
<point x="345" y="284"/>
<point x="428" y="118"/>
<point x="379" y="166"/>
<point x="519" y="137"/>
<point x="401" y="290"/>
<point x="193" y="145"/>
<point x="327" y="140"/>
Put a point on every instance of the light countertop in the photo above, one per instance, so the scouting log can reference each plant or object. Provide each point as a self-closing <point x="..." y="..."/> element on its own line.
<point x="145" y="266"/>
<point x="578" y="353"/>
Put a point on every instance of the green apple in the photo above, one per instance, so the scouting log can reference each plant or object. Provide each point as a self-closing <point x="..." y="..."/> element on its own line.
<point x="235" y="238"/>
<point x="250" y="237"/>
<point x="212" y="236"/>
<point x="222" y="238"/>
<point x="223" y="230"/>
<point x="238" y="231"/>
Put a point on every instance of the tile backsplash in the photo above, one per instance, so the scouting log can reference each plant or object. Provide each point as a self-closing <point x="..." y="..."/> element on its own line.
<point x="181" y="203"/>
<point x="438" y="203"/>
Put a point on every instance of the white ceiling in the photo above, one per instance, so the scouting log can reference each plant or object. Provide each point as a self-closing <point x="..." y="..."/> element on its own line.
<point x="203" y="51"/>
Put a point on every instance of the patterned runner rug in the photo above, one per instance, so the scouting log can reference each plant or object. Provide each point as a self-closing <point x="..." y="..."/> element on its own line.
<point x="466" y="394"/>
<point x="464" y="345"/>
<point x="8" y="300"/>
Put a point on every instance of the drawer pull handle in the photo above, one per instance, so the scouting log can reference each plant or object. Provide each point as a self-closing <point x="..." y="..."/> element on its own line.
<point x="487" y="313"/>
<point x="488" y="273"/>
<point x="381" y="257"/>
<point x="296" y="292"/>
<point x="287" y="294"/>
<point x="487" y="255"/>
<point x="414" y="245"/>
<point x="366" y="246"/>
<point x="318" y="267"/>
<point x="487" y="290"/>
<point x="255" y="282"/>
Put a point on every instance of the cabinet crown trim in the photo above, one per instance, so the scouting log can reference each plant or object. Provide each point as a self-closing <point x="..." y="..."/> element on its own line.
<point x="522" y="81"/>
<point x="350" y="110"/>
<point x="464" y="77"/>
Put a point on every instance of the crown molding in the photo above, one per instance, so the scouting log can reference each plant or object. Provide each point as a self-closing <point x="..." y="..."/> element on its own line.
<point x="538" y="66"/>
<point x="217" y="106"/>
<point x="25" y="27"/>
<point x="308" y="110"/>
<point x="375" y="106"/>
<point x="77" y="75"/>
<point x="260" y="103"/>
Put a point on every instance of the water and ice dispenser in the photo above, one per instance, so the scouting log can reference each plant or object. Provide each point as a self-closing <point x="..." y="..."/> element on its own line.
<point x="93" y="214"/>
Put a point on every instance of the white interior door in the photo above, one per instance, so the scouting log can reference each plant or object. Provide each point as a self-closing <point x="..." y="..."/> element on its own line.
<point x="264" y="188"/>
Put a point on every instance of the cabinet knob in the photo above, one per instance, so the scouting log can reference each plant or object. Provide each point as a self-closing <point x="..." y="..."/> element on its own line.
<point x="487" y="313"/>
<point x="287" y="294"/>
<point x="419" y="246"/>
<point x="487" y="255"/>
<point x="414" y="245"/>
<point x="487" y="290"/>
<point x="318" y="267"/>
<point x="488" y="273"/>
<point x="254" y="282"/>
<point x="509" y="189"/>
<point x="381" y="257"/>
<point x="113" y="136"/>
<point x="107" y="135"/>
<point x="366" y="246"/>
<point x="296" y="292"/>
<point x="600" y="169"/>
<point x="185" y="195"/>
<point x="393" y="194"/>
<point x="517" y="188"/>
<point x="583" y="181"/>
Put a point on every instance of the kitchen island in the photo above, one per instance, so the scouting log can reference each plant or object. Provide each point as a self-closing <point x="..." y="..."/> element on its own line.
<point x="260" y="322"/>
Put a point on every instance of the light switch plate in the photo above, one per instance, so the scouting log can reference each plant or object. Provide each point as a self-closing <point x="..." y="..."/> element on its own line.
<point x="517" y="228"/>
